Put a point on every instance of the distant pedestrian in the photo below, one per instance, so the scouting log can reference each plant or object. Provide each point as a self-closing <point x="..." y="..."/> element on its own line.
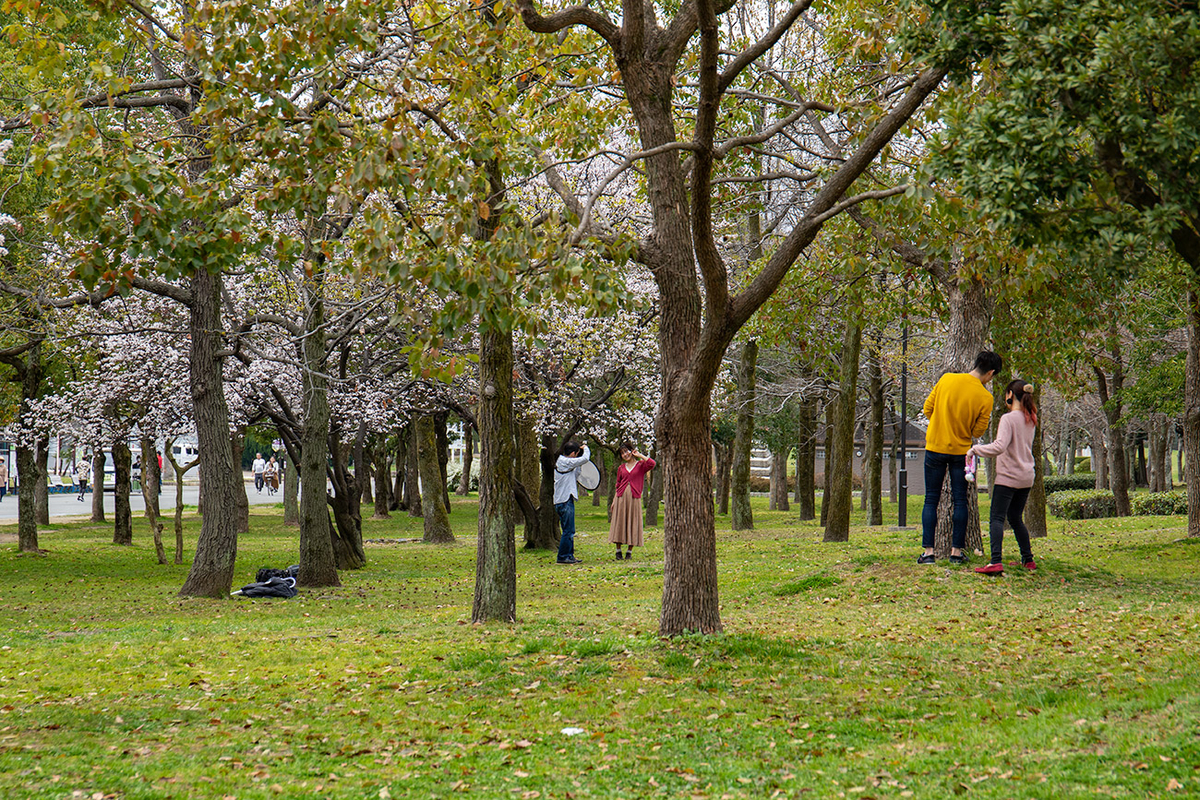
<point x="1013" y="451"/>
<point x="566" y="475"/>
<point x="81" y="477"/>
<point x="271" y="476"/>
<point x="3" y="478"/>
<point x="259" y="468"/>
<point x="626" y="526"/>
<point x="958" y="409"/>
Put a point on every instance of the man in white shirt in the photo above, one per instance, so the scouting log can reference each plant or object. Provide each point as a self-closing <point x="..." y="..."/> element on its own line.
<point x="259" y="468"/>
<point x="566" y="474"/>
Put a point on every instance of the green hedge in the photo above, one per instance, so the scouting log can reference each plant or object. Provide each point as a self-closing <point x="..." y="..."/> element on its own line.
<point x="1092" y="504"/>
<point x="1158" y="503"/>
<point x="1063" y="483"/>
<point x="1082" y="504"/>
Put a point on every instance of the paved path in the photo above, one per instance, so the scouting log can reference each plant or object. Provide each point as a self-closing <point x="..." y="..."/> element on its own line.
<point x="65" y="505"/>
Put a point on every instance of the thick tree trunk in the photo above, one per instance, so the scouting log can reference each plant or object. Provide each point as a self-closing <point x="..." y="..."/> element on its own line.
<point x="1191" y="412"/>
<point x="839" y="474"/>
<point x="464" y="482"/>
<point x="741" y="517"/>
<point x="318" y="563"/>
<point x="98" y="460"/>
<point x="779" y="487"/>
<point x="496" y="549"/>
<point x="437" y="523"/>
<point x="346" y="505"/>
<point x="1111" y="391"/>
<point x="27" y="526"/>
<point x="151" y="482"/>
<point x="211" y="574"/>
<point x="547" y="530"/>
<point x="383" y="481"/>
<point x="806" y="460"/>
<point x="873" y="452"/>
<point x="122" y="475"/>
<point x="42" y="489"/>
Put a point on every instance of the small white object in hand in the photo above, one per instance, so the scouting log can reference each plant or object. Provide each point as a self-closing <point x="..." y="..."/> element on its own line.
<point x="572" y="731"/>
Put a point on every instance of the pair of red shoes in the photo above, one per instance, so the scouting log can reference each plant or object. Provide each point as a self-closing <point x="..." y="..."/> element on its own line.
<point x="996" y="569"/>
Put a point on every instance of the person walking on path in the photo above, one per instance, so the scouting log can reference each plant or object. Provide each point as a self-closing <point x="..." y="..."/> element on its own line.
<point x="626" y="526"/>
<point x="566" y="488"/>
<point x="3" y="477"/>
<point x="259" y="466"/>
<point x="271" y="476"/>
<point x="958" y="408"/>
<point x="1013" y="451"/>
<point x="81" y="475"/>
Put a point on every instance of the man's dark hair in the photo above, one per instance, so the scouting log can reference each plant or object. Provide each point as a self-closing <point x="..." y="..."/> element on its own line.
<point x="571" y="450"/>
<point x="987" y="361"/>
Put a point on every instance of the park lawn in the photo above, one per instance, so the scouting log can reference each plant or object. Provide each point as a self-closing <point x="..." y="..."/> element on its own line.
<point x="844" y="670"/>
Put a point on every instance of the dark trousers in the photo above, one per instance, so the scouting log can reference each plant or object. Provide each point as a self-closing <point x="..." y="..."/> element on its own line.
<point x="936" y="467"/>
<point x="566" y="517"/>
<point x="1009" y="503"/>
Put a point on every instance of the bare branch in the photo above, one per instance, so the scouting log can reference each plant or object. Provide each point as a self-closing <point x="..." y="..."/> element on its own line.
<point x="752" y="53"/>
<point x="575" y="15"/>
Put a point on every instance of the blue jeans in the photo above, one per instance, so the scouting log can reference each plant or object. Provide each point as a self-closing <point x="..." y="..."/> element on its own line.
<point x="936" y="466"/>
<point x="566" y="516"/>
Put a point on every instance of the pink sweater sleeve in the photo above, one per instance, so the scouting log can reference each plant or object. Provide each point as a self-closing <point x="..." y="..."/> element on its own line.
<point x="1002" y="441"/>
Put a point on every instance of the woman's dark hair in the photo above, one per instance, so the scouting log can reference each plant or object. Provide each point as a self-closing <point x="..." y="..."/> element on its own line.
<point x="571" y="449"/>
<point x="1023" y="391"/>
<point x="625" y="445"/>
<point x="987" y="361"/>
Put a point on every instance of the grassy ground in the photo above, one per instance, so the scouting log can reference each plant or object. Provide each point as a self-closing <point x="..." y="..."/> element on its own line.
<point x="845" y="670"/>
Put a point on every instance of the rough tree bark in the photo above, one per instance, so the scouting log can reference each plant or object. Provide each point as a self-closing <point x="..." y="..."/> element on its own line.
<point x="122" y="475"/>
<point x="42" y="487"/>
<point x="806" y="459"/>
<point x="464" y="482"/>
<point x="1111" y="390"/>
<point x="383" y="481"/>
<point x="652" y="496"/>
<point x="496" y="549"/>
<point x="237" y="444"/>
<point x="437" y="523"/>
<point x="98" y="461"/>
<point x="345" y="504"/>
<point x="873" y="452"/>
<point x="778" y="500"/>
<point x="741" y="517"/>
<point x="1191" y="412"/>
<point x="442" y="437"/>
<point x="839" y="473"/>
<point x="547" y="531"/>
<point x="289" y="475"/>
<point x="151" y="481"/>
<point x="723" y="455"/>
<point x="26" y="362"/>
<point x="412" y="473"/>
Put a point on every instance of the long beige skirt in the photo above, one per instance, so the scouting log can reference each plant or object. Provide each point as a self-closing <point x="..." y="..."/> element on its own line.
<point x="626" y="526"/>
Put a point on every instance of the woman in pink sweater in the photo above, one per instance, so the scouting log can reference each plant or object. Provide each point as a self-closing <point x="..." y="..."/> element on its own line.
<point x="626" y="526"/>
<point x="1013" y="451"/>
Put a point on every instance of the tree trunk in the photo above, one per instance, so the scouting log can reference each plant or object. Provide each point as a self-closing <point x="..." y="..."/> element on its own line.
<point x="318" y="562"/>
<point x="437" y="523"/>
<point x="741" y="516"/>
<point x="1111" y="403"/>
<point x="345" y="503"/>
<point x="27" y="525"/>
<point x="464" y="483"/>
<point x="723" y="455"/>
<point x="179" y="471"/>
<point x="600" y="459"/>
<point x="289" y="475"/>
<point x="383" y="481"/>
<point x="1035" y="506"/>
<point x="442" y="436"/>
<point x="122" y="477"/>
<point x="779" y="487"/>
<point x="1099" y="457"/>
<point x="873" y="452"/>
<point x="894" y="455"/>
<point x="399" y="503"/>
<point x="547" y="530"/>
<point x="412" y="473"/>
<point x="839" y="474"/>
<point x="496" y="549"/>
<point x="652" y="497"/>
<point x="98" y="460"/>
<point x="151" y="482"/>
<point x="237" y="445"/>
<point x="42" y="489"/>
<point x="831" y="412"/>
<point x="970" y="319"/>
<point x="806" y="460"/>
<point x="1191" y="412"/>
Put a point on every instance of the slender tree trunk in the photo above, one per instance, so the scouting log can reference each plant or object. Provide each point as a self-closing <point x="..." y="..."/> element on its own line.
<point x="151" y="481"/>
<point x="98" y="460"/>
<point x="437" y="523"/>
<point x="806" y="460"/>
<point x="383" y="481"/>
<point x="600" y="459"/>
<point x="318" y="562"/>
<point x="1191" y="412"/>
<point x="179" y="472"/>
<point x="652" y="496"/>
<point x="547" y="530"/>
<point x="839" y="474"/>
<point x="723" y="455"/>
<point x="464" y="483"/>
<point x="1035" y="506"/>
<point x="442" y="436"/>
<point x="42" y="489"/>
<point x="1111" y="403"/>
<point x="289" y="475"/>
<point x="122" y="512"/>
<point x="496" y="549"/>
<point x="741" y="516"/>
<point x="1099" y="456"/>
<point x="399" y="502"/>
<point x="894" y="455"/>
<point x="412" y="474"/>
<point x="831" y="412"/>
<point x="237" y="445"/>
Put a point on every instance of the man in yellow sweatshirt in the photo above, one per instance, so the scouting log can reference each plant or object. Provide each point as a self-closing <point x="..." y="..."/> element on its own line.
<point x="958" y="408"/>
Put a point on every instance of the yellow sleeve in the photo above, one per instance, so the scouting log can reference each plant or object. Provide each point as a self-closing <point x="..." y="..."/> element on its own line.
<point x="930" y="401"/>
<point x="985" y="416"/>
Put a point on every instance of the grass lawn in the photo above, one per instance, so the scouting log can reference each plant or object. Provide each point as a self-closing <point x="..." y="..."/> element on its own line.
<point x="845" y="671"/>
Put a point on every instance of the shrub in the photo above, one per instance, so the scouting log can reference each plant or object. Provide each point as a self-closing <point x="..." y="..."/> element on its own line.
<point x="1082" y="504"/>
<point x="1083" y="464"/>
<point x="1158" y="503"/>
<point x="1063" y="483"/>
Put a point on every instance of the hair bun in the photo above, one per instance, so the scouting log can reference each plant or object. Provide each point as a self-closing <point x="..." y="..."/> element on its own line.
<point x="1027" y="388"/>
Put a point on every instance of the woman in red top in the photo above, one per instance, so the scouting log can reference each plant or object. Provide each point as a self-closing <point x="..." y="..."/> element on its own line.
<point x="626" y="526"/>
